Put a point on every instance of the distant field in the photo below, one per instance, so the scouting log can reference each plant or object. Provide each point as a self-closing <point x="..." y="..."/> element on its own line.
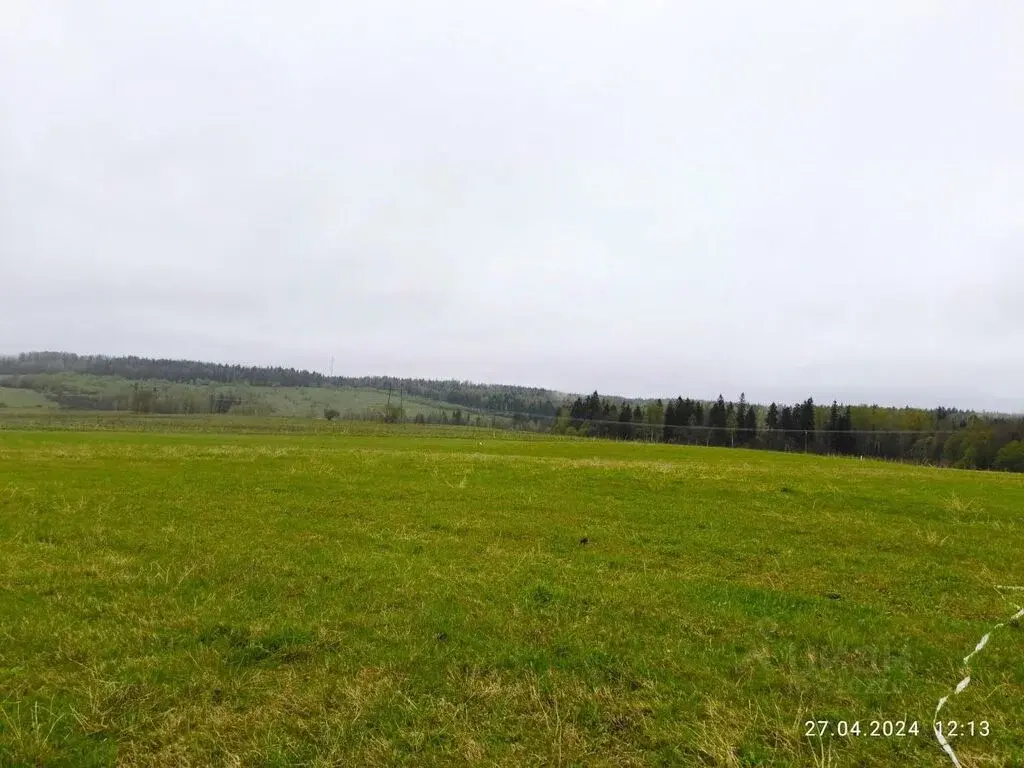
<point x="23" y="398"/>
<point x="302" y="401"/>
<point x="179" y="592"/>
<point x="305" y="402"/>
<point x="17" y="420"/>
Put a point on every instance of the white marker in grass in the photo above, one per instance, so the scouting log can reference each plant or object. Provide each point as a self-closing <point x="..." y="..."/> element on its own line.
<point x="962" y="685"/>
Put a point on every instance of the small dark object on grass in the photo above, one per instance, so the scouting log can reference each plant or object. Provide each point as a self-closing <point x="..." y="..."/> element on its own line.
<point x="584" y="541"/>
<point x="786" y="489"/>
<point x="442" y="637"/>
<point x="834" y="596"/>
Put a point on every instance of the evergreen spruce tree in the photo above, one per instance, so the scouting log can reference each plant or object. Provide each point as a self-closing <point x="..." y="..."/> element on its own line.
<point x="670" y="422"/>
<point x="750" y="425"/>
<point x="834" y="441"/>
<point x="718" y="421"/>
<point x="741" y="420"/>
<point x="787" y="426"/>
<point x="625" y="425"/>
<point x="577" y="413"/>
<point x="806" y="419"/>
<point x="847" y="440"/>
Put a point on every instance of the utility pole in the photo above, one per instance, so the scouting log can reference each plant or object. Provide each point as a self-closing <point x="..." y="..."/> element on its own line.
<point x="332" y="366"/>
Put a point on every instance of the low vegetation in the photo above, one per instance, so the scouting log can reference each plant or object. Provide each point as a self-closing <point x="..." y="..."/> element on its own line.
<point x="217" y="590"/>
<point x="76" y="391"/>
<point x="11" y="397"/>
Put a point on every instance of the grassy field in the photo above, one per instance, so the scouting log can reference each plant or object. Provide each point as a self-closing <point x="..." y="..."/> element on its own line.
<point x="304" y="402"/>
<point x="23" y="398"/>
<point x="183" y="595"/>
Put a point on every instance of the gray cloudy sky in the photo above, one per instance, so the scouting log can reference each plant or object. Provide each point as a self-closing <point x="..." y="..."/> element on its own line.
<point x="646" y="198"/>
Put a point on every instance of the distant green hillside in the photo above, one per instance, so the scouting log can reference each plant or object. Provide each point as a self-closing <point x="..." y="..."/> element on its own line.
<point x="116" y="393"/>
<point x="24" y="398"/>
<point x="941" y="435"/>
<point x="460" y="394"/>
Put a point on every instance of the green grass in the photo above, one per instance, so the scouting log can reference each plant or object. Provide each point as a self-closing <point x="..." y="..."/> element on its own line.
<point x="387" y="595"/>
<point x="304" y="402"/>
<point x="107" y="421"/>
<point x="11" y="397"/>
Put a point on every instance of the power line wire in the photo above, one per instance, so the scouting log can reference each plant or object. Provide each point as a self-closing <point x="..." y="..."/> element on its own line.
<point x="759" y="430"/>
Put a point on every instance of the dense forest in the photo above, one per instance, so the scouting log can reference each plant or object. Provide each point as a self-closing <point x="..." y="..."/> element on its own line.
<point x="941" y="436"/>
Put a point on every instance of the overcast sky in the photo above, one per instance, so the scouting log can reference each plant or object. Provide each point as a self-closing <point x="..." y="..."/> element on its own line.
<point x="646" y="198"/>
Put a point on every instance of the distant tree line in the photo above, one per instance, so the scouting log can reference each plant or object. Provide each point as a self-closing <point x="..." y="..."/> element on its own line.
<point x="942" y="436"/>
<point x="480" y="397"/>
<point x="140" y="397"/>
<point x="184" y="371"/>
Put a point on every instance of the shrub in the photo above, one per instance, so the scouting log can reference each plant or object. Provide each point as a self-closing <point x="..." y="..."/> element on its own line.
<point x="393" y="413"/>
<point x="331" y="414"/>
<point x="1011" y="457"/>
<point x="969" y="459"/>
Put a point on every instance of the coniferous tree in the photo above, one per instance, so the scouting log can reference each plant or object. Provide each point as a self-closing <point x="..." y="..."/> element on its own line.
<point x="750" y="425"/>
<point x="834" y="442"/>
<point x="805" y="416"/>
<point x="718" y="421"/>
<point x="684" y="410"/>
<point x="625" y="422"/>
<point x="592" y="410"/>
<point x="847" y="440"/>
<point x="604" y="428"/>
<point x="682" y="416"/>
<point x="788" y="426"/>
<point x="772" y="423"/>
<point x="786" y="420"/>
<point x="577" y="413"/>
<point x="804" y="413"/>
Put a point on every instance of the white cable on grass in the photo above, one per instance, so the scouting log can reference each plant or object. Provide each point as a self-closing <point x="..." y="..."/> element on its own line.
<point x="966" y="681"/>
